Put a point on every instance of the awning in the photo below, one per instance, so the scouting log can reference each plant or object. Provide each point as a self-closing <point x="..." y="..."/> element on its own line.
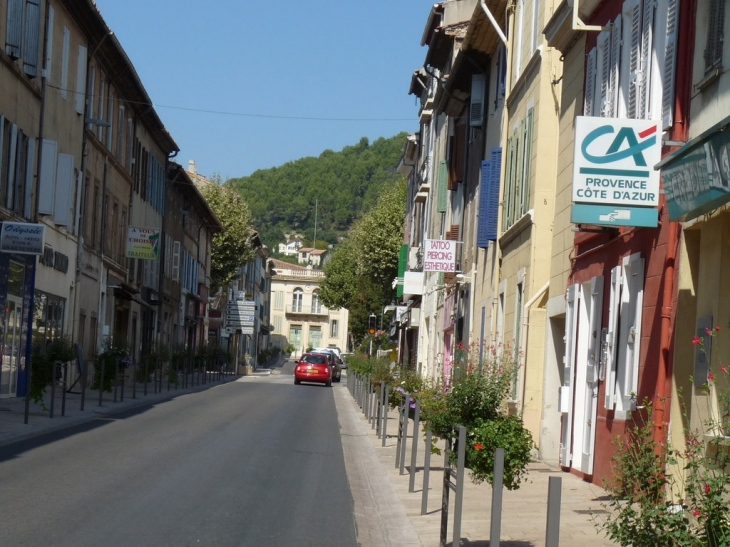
<point x="697" y="176"/>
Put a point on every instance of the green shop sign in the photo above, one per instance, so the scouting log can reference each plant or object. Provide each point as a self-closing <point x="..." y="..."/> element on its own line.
<point x="697" y="176"/>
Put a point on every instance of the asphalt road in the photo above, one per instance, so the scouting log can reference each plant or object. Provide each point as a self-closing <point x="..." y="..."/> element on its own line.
<point x="244" y="463"/>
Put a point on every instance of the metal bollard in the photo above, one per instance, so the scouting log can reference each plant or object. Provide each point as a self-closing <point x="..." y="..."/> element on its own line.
<point x="404" y="442"/>
<point x="552" y="531"/>
<point x="496" y="523"/>
<point x="101" y="382"/>
<point x="385" y="414"/>
<point x="414" y="447"/>
<point x="426" y="472"/>
<point x="116" y="377"/>
<point x="63" y="396"/>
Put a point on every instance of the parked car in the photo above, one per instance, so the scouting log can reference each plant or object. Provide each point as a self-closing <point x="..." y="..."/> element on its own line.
<point x="313" y="367"/>
<point x="334" y="361"/>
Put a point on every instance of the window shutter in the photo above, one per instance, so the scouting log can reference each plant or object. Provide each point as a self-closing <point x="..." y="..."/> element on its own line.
<point x="484" y="198"/>
<point x="110" y="119"/>
<point x="519" y="172"/>
<point x="14" y="30"/>
<point x="29" y="170"/>
<point x="715" y="31"/>
<point x="402" y="267"/>
<point x="80" y="80"/>
<point x="529" y="125"/>
<point x="12" y="167"/>
<point x="647" y="30"/>
<point x="602" y="102"/>
<point x="590" y="83"/>
<point x="476" y="112"/>
<point x="631" y="309"/>
<point x="49" y="48"/>
<point x="64" y="190"/>
<point x="594" y="339"/>
<point x="633" y="29"/>
<point x="612" y="338"/>
<point x="2" y="144"/>
<point x="508" y="197"/>
<point x="453" y="235"/>
<point x="442" y="186"/>
<point x="46" y="187"/>
<point x="566" y="390"/>
<point x="64" y="63"/>
<point x="670" y="64"/>
<point x="615" y="66"/>
<point x="31" y="40"/>
<point x="176" y="261"/>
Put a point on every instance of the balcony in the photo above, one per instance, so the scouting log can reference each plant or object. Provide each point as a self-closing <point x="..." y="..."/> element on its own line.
<point x="307" y="310"/>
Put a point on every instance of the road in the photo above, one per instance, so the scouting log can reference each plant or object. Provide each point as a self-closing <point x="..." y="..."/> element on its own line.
<point x="244" y="463"/>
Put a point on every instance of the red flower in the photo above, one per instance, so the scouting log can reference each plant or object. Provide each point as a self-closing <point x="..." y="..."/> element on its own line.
<point x="696" y="513"/>
<point x="723" y="368"/>
<point x="717" y="328"/>
<point x="707" y="488"/>
<point x="696" y="341"/>
<point x="478" y="446"/>
<point x="710" y="377"/>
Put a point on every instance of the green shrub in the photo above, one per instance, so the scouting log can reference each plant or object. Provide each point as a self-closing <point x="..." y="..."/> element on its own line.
<point x="43" y="357"/>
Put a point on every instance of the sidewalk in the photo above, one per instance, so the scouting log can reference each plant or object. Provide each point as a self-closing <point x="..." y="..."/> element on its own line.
<point x="12" y="411"/>
<point x="524" y="511"/>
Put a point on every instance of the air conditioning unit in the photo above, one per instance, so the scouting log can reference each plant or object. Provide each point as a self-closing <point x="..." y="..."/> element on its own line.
<point x="414" y="318"/>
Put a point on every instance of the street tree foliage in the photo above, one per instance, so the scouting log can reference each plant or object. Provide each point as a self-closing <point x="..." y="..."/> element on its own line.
<point x="335" y="187"/>
<point x="232" y="245"/>
<point x="360" y="272"/>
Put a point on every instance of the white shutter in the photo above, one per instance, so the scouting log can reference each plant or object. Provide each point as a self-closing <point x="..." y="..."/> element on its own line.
<point x="14" y="29"/>
<point x="476" y="112"/>
<point x="49" y="47"/>
<point x="590" y="83"/>
<point x="32" y="37"/>
<point x="176" y="261"/>
<point x="591" y="387"/>
<point x="47" y="183"/>
<point x="110" y="119"/>
<point x="612" y="338"/>
<point x="64" y="190"/>
<point x="670" y="64"/>
<point x="630" y="336"/>
<point x="102" y="112"/>
<point x="631" y="77"/>
<point x="602" y="101"/>
<point x="647" y="29"/>
<point x="615" y="66"/>
<point x="12" y="167"/>
<point x="64" y="62"/>
<point x="566" y="390"/>
<point x="29" y="170"/>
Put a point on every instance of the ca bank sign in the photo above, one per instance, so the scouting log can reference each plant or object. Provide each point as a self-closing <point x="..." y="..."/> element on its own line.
<point x="614" y="181"/>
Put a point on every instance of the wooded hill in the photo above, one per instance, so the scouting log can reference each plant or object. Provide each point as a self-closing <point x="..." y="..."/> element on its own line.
<point x="344" y="185"/>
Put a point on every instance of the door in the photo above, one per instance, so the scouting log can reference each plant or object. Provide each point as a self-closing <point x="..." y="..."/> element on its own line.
<point x="13" y="322"/>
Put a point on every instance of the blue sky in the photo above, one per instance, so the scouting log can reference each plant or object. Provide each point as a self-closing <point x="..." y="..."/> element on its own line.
<point x="233" y="80"/>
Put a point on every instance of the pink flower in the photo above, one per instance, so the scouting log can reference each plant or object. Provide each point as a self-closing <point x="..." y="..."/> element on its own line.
<point x="707" y="488"/>
<point x="717" y="328"/>
<point x="723" y="368"/>
<point x="696" y="341"/>
<point x="696" y="513"/>
<point x="708" y="332"/>
<point x="710" y="377"/>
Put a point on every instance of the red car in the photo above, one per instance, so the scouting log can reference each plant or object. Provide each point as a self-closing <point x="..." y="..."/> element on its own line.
<point x="313" y="367"/>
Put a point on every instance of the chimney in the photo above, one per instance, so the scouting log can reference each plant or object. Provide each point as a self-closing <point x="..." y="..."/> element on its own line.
<point x="191" y="167"/>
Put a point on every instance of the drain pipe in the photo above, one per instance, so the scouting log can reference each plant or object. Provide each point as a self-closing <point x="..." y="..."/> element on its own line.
<point x="523" y="338"/>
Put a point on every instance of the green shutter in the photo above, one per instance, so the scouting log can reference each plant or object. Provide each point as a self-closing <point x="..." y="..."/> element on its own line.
<point x="443" y="184"/>
<point x="402" y="264"/>
<point x="509" y="184"/>
<point x="528" y="161"/>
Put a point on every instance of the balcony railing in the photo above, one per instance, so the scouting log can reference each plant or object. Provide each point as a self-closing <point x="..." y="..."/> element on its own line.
<point x="307" y="310"/>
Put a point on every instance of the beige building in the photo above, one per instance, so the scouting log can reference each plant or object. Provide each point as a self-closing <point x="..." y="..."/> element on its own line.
<point x="298" y="317"/>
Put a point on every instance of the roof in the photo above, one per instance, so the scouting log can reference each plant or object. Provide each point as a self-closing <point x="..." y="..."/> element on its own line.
<point x="186" y="185"/>
<point x="285" y="265"/>
<point x="306" y="249"/>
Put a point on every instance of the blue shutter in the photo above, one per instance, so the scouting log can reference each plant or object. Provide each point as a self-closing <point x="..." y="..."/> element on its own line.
<point x="489" y="199"/>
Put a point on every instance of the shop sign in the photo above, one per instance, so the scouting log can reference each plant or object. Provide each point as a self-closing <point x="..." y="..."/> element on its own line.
<point x="439" y="255"/>
<point x="614" y="161"/>
<point x="22" y="238"/>
<point x="697" y="176"/>
<point x="143" y="243"/>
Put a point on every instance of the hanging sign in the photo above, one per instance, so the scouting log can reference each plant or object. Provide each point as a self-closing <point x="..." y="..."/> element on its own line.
<point x="439" y="255"/>
<point x="143" y="243"/>
<point x="22" y="238"/>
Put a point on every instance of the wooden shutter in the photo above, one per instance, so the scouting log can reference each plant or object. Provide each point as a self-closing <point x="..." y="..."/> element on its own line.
<point x="12" y="167"/>
<point x="631" y="310"/>
<point x="457" y="157"/>
<point x="80" y="79"/>
<point x="647" y="37"/>
<point x="508" y="192"/>
<point x="632" y="13"/>
<point x="670" y="64"/>
<point x="590" y="92"/>
<point x="476" y="111"/>
<point x="29" y="171"/>
<point x="49" y="46"/>
<point x="176" y="261"/>
<point x="31" y="38"/>
<point x="715" y="35"/>
<point x="47" y="184"/>
<point x="529" y="126"/>
<point x="614" y="311"/>
<point x="452" y="235"/>
<point x="64" y="190"/>
<point x="442" y="187"/>
<point x="615" y="66"/>
<point x="602" y="102"/>
<point x="14" y="28"/>
<point x="566" y="390"/>
<point x="519" y="173"/>
<point x="489" y="199"/>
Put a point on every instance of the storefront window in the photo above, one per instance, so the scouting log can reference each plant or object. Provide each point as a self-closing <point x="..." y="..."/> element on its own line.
<point x="48" y="317"/>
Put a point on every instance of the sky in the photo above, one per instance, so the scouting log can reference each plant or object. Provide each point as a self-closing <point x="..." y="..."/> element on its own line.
<point x="243" y="85"/>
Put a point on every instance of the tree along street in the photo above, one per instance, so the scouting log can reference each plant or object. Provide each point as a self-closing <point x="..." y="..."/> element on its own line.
<point x="245" y="463"/>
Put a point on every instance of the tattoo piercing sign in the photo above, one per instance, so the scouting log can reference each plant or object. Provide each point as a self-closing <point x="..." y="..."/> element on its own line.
<point x="439" y="255"/>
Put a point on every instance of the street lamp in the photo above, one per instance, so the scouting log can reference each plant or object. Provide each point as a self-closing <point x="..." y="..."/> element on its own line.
<point x="372" y="322"/>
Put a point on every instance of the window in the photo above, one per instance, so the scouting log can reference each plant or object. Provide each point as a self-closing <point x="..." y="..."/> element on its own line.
<point x="519" y="303"/>
<point x="715" y="35"/>
<point x="295" y="337"/>
<point x="334" y="328"/>
<point x="279" y="300"/>
<point x="17" y="157"/>
<point x="22" y="38"/>
<point x="48" y="317"/>
<point x="519" y="166"/>
<point x="277" y="325"/>
<point x="297" y="299"/>
<point x="316" y="304"/>
<point x="315" y="336"/>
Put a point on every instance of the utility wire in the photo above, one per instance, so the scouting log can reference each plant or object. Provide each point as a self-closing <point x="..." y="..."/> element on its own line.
<point x="240" y="114"/>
